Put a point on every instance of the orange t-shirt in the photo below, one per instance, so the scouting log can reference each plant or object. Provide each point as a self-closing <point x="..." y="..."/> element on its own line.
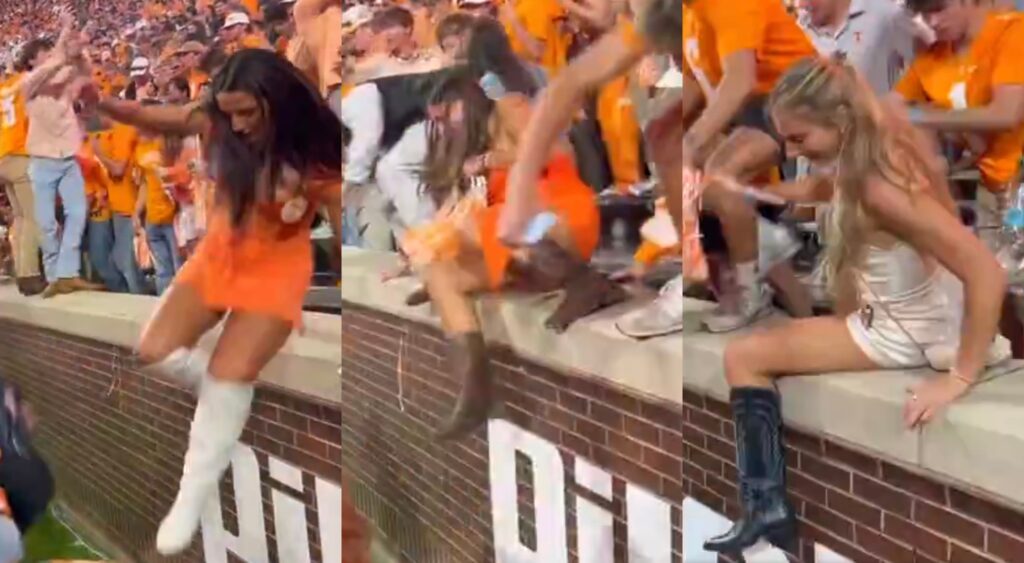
<point x="13" y="120"/>
<point x="159" y="206"/>
<point x="542" y="20"/>
<point x="423" y="28"/>
<point x="97" y="183"/>
<point x="196" y="80"/>
<point x="713" y="30"/>
<point x="247" y="41"/>
<point x="941" y="77"/>
<point x="629" y="33"/>
<point x="320" y="34"/>
<point x="252" y="6"/>
<point x="121" y="54"/>
<point x="118" y="143"/>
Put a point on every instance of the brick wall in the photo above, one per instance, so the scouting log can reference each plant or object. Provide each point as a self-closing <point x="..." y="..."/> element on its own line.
<point x="859" y="506"/>
<point x="115" y="437"/>
<point x="432" y="499"/>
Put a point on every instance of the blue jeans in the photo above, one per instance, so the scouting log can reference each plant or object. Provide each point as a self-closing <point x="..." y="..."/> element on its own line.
<point x="124" y="253"/>
<point x="100" y="246"/>
<point x="350" y="233"/>
<point x="163" y="245"/>
<point x="62" y="258"/>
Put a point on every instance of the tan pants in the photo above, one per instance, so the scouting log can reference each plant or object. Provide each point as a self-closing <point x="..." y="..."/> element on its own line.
<point x="25" y="232"/>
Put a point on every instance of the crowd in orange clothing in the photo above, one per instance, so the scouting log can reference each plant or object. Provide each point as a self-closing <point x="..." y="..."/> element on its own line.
<point x="129" y="135"/>
<point x="497" y="41"/>
<point x="147" y="194"/>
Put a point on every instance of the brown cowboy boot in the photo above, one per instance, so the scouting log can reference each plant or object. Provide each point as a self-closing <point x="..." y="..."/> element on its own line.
<point x="417" y="297"/>
<point x="586" y="290"/>
<point x="31" y="285"/>
<point x="468" y="358"/>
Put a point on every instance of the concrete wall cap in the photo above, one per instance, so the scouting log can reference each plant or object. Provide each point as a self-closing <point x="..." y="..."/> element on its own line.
<point x="309" y="364"/>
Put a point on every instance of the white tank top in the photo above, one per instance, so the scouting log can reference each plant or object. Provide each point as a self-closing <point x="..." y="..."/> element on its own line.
<point x="901" y="286"/>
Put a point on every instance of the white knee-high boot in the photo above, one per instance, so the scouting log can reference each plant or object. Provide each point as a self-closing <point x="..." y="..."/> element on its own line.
<point x="186" y="366"/>
<point x="216" y="427"/>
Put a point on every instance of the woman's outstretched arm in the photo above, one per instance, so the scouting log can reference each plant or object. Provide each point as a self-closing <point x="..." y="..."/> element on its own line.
<point x="181" y="120"/>
<point x="608" y="58"/>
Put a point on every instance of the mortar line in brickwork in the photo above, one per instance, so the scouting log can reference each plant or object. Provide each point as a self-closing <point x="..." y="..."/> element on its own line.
<point x="531" y="361"/>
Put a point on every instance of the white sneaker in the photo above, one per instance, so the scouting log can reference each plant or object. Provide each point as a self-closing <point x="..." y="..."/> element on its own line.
<point x="753" y="304"/>
<point x="217" y="425"/>
<point x="185" y="366"/>
<point x="662" y="316"/>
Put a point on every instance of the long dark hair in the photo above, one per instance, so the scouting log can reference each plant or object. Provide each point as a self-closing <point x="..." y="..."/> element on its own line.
<point x="489" y="50"/>
<point x="301" y="131"/>
<point x="449" y="144"/>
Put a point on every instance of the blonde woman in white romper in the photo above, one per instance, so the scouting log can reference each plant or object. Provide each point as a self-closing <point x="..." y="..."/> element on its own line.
<point x="913" y="286"/>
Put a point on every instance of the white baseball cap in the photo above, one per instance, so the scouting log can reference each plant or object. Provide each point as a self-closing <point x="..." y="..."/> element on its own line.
<point x="140" y="67"/>
<point x="236" y="18"/>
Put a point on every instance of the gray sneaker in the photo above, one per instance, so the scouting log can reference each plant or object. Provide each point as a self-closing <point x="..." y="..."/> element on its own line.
<point x="662" y="316"/>
<point x="776" y="244"/>
<point x="754" y="304"/>
<point x="817" y="284"/>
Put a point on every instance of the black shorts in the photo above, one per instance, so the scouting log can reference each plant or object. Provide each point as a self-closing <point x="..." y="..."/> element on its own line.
<point x="713" y="240"/>
<point x="754" y="115"/>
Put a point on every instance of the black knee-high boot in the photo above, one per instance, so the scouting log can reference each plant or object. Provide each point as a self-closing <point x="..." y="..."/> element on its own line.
<point x="760" y="458"/>
<point x="468" y="358"/>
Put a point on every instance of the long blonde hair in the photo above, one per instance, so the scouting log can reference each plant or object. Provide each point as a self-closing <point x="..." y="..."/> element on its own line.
<point x="874" y="142"/>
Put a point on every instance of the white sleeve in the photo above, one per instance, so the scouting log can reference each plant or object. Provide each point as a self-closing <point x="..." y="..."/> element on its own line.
<point x="362" y="113"/>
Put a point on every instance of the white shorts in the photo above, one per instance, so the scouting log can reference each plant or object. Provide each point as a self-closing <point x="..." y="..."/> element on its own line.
<point x="888" y="346"/>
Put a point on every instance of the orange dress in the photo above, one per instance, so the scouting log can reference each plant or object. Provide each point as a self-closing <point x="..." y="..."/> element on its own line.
<point x="264" y="267"/>
<point x="562" y="192"/>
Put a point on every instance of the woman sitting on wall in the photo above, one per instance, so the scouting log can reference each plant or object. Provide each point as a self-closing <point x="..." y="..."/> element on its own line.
<point x="906" y="275"/>
<point x="459" y="255"/>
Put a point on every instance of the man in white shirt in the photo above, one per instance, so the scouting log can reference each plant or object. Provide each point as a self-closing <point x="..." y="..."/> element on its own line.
<point x="383" y="159"/>
<point x="876" y="36"/>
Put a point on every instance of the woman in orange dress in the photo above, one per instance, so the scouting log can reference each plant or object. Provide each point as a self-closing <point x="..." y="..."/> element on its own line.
<point x="273" y="147"/>
<point x="460" y="254"/>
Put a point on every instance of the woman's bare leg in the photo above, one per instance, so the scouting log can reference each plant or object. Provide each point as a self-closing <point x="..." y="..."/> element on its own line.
<point x="168" y="341"/>
<point x="181" y="319"/>
<point x="752" y="361"/>
<point x="794" y="295"/>
<point x="246" y="346"/>
<point x="451" y="285"/>
<point x="798" y="347"/>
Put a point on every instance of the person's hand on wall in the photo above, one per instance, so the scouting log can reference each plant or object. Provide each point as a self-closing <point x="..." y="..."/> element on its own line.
<point x="930" y="396"/>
